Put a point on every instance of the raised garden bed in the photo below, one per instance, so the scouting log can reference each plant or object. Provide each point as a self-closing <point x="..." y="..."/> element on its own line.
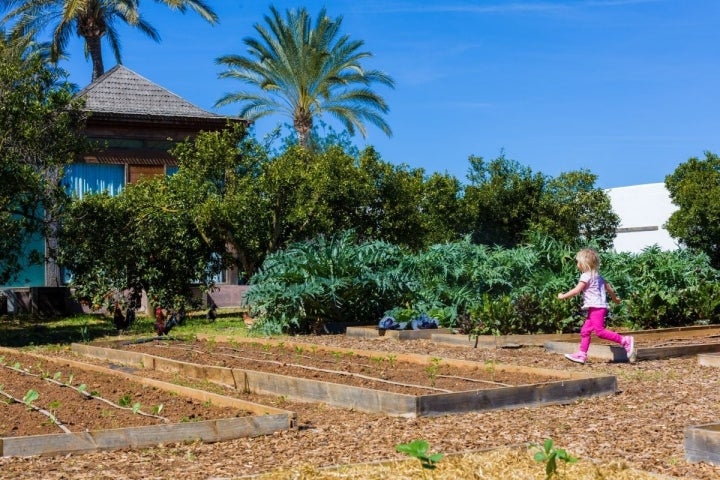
<point x="57" y="406"/>
<point x="403" y="385"/>
<point x="662" y="338"/>
<point x="374" y="332"/>
<point x="654" y="347"/>
<point x="702" y="443"/>
<point x="500" y="341"/>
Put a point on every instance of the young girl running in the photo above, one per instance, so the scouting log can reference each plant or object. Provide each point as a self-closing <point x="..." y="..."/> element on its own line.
<point x="593" y="288"/>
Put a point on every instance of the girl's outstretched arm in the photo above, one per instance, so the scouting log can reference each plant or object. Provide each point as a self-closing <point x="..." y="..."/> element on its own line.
<point x="609" y="288"/>
<point x="571" y="293"/>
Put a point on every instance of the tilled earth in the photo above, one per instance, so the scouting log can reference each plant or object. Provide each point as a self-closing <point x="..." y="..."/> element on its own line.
<point x="73" y="400"/>
<point x="642" y="425"/>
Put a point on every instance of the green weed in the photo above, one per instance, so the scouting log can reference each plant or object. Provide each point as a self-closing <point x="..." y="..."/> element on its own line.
<point x="549" y="454"/>
<point x="419" y="449"/>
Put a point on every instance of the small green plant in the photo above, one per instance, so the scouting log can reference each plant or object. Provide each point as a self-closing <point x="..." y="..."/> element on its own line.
<point x="53" y="406"/>
<point x="136" y="407"/>
<point x="433" y="370"/>
<point x="391" y="359"/>
<point x="30" y="397"/>
<point x="84" y="334"/>
<point x="125" y="400"/>
<point x="158" y="408"/>
<point x="377" y="361"/>
<point x="549" y="454"/>
<point x="419" y="449"/>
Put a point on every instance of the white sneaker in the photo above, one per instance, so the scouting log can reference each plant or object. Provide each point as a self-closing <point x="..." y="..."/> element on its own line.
<point x="629" y="343"/>
<point x="577" y="357"/>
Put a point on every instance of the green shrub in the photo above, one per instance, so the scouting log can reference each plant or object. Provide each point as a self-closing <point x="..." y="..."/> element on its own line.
<point x="474" y="288"/>
<point x="333" y="279"/>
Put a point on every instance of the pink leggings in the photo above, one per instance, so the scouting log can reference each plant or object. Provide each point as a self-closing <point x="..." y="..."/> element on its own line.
<point x="595" y="323"/>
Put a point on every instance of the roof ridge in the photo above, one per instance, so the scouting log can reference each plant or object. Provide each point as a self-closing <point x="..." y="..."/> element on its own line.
<point x="121" y="90"/>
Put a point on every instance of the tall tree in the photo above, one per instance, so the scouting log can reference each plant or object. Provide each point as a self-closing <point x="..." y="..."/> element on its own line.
<point x="694" y="187"/>
<point x="40" y="132"/>
<point x="501" y="200"/>
<point x="148" y="238"/>
<point x="303" y="70"/>
<point x="505" y="201"/>
<point x="572" y="209"/>
<point x="93" y="20"/>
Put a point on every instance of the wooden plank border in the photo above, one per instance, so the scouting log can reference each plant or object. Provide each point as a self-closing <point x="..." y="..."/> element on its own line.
<point x="375" y="332"/>
<point x="569" y="386"/>
<point x="709" y="359"/>
<point x="702" y="443"/>
<point x="208" y="431"/>
<point x="616" y="353"/>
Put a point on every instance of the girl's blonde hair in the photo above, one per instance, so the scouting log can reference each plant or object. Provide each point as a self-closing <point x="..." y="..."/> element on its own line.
<point x="588" y="260"/>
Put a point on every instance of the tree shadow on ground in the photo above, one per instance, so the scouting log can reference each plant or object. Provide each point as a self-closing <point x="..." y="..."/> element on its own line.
<point x="26" y="330"/>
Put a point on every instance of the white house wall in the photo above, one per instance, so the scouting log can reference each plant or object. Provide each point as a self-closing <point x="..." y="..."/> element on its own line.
<point x="643" y="210"/>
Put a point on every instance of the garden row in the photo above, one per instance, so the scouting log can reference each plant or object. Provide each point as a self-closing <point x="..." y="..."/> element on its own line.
<point x="57" y="406"/>
<point x="473" y="288"/>
<point x="366" y="380"/>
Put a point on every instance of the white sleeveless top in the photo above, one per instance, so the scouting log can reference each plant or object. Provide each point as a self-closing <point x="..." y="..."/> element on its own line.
<point x="594" y="294"/>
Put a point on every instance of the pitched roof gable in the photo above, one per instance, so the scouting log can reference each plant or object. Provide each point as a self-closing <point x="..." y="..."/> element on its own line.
<point x="122" y="91"/>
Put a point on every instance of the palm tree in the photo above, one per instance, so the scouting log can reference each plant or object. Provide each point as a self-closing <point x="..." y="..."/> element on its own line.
<point x="90" y="19"/>
<point x="304" y="71"/>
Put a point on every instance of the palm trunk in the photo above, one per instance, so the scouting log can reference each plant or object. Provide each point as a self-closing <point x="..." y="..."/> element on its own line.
<point x="95" y="50"/>
<point x="303" y="127"/>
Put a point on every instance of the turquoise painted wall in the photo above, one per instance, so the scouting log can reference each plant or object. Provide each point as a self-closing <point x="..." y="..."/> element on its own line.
<point x="79" y="179"/>
<point x="30" y="275"/>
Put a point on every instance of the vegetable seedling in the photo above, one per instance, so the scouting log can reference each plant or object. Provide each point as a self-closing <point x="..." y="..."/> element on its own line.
<point x="419" y="449"/>
<point x="549" y="454"/>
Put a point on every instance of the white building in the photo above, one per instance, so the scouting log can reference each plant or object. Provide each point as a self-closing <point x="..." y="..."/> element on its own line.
<point x="643" y="212"/>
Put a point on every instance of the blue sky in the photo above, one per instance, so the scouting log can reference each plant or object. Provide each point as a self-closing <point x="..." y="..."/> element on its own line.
<point x="627" y="89"/>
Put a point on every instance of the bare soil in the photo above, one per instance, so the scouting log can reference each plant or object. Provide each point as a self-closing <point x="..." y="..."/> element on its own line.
<point x="113" y="402"/>
<point x="380" y="372"/>
<point x="641" y="426"/>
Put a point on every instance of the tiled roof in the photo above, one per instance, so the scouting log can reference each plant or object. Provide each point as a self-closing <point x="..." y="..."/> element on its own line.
<point x="131" y="157"/>
<point x="122" y="91"/>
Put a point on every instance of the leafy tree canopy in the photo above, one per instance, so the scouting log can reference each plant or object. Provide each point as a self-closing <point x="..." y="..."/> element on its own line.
<point x="148" y="238"/>
<point x="505" y="200"/>
<point x="694" y="187"/>
<point x="40" y="133"/>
